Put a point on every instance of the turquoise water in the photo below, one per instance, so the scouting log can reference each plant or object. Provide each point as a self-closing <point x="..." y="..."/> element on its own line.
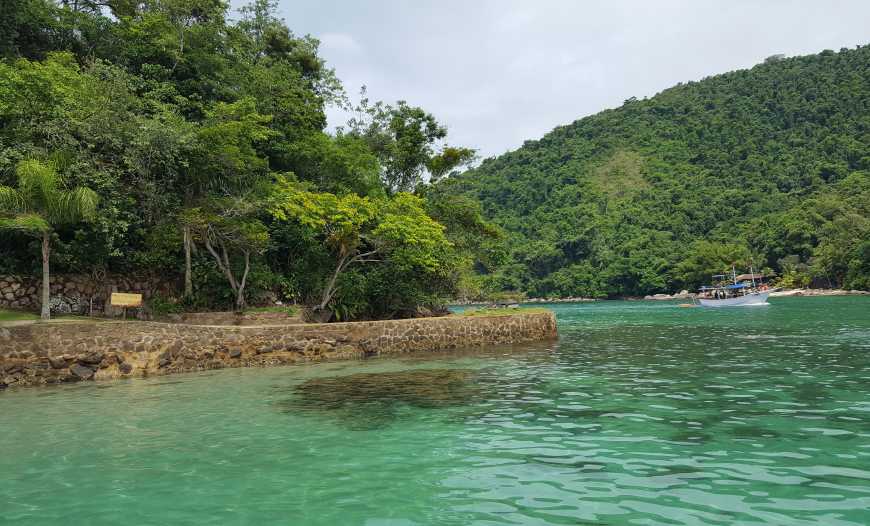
<point x="643" y="413"/>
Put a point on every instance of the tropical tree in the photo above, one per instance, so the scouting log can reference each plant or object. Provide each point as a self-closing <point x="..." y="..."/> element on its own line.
<point x="225" y="162"/>
<point x="231" y="232"/>
<point x="40" y="204"/>
<point x="360" y="230"/>
<point x="405" y="140"/>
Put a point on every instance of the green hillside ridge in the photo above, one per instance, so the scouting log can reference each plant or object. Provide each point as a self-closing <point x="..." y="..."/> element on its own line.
<point x="769" y="166"/>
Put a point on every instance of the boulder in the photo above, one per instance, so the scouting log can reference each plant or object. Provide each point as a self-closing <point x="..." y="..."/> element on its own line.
<point x="14" y="368"/>
<point x="57" y="362"/>
<point x="81" y="372"/>
<point x="92" y="358"/>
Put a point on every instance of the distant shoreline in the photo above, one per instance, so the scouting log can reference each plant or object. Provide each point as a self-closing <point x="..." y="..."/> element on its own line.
<point x="819" y="292"/>
<point x="669" y="297"/>
<point x="775" y="294"/>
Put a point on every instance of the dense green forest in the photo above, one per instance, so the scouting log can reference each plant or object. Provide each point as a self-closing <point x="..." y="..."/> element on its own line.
<point x="176" y="138"/>
<point x="769" y="166"/>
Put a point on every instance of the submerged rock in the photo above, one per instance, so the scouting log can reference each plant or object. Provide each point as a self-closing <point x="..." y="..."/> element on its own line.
<point x="370" y="400"/>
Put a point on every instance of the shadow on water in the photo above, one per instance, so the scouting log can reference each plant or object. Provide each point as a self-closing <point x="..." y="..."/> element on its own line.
<point x="366" y="401"/>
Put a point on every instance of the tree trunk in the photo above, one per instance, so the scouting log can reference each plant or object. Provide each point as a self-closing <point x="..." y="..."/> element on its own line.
<point x="241" y="304"/>
<point x="223" y="264"/>
<point x="343" y="263"/>
<point x="330" y="286"/>
<point x="46" y="277"/>
<point x="188" y="281"/>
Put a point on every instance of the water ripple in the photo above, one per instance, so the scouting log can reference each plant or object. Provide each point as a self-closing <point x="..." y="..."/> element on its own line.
<point x="642" y="414"/>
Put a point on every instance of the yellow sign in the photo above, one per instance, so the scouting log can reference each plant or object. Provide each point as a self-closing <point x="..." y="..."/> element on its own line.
<point x="121" y="299"/>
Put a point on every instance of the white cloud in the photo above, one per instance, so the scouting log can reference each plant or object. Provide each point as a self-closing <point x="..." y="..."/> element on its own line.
<point x="339" y="43"/>
<point x="499" y="72"/>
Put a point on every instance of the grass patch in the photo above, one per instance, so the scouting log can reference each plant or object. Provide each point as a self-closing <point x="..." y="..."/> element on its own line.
<point x="287" y="309"/>
<point x="16" y="315"/>
<point x="502" y="312"/>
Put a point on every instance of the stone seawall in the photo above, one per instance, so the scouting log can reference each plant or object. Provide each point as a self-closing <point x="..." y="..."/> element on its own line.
<point x="53" y="353"/>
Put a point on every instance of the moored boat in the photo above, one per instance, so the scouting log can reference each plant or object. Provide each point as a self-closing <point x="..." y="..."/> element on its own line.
<point x="752" y="298"/>
<point x="738" y="291"/>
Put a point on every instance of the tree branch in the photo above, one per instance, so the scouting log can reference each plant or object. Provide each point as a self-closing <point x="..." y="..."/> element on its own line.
<point x="224" y="268"/>
<point x="329" y="291"/>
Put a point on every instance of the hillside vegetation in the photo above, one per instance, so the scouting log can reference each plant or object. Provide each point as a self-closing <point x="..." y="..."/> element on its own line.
<point x="769" y="166"/>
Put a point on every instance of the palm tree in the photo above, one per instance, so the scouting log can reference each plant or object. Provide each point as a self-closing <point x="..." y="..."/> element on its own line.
<point x="39" y="205"/>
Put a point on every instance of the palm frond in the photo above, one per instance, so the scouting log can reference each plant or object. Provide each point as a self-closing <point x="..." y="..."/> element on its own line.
<point x="11" y="200"/>
<point x="37" y="181"/>
<point x="42" y="200"/>
<point x="73" y="206"/>
<point x="28" y="223"/>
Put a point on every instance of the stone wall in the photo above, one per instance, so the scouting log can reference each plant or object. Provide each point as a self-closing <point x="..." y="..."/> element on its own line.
<point x="52" y="353"/>
<point x="76" y="293"/>
<point x="234" y="318"/>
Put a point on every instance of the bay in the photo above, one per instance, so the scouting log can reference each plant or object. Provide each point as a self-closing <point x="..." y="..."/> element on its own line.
<point x="642" y="413"/>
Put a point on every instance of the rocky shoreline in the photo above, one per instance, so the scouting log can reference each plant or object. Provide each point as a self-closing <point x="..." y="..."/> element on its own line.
<point x="577" y="299"/>
<point x="684" y="295"/>
<point x="818" y="292"/>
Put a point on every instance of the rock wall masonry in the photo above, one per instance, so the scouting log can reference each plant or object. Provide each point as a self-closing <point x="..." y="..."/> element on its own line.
<point x="54" y="353"/>
<point x="75" y="293"/>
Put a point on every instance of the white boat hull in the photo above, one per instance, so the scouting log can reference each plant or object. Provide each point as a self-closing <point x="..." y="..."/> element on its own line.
<point x="756" y="298"/>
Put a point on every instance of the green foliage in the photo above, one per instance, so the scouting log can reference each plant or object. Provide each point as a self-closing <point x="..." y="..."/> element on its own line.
<point x="707" y="258"/>
<point x="180" y="119"/>
<point x="393" y="233"/>
<point x="41" y="201"/>
<point x="449" y="159"/>
<point x="747" y="167"/>
<point x="40" y="204"/>
<point x="405" y="138"/>
<point x="339" y="165"/>
<point x="161" y="306"/>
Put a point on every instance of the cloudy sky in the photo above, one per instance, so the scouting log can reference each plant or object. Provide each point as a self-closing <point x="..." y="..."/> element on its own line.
<point x="498" y="72"/>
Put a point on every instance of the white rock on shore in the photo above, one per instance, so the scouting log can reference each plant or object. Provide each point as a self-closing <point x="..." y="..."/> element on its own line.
<point x="818" y="292"/>
<point x="682" y="295"/>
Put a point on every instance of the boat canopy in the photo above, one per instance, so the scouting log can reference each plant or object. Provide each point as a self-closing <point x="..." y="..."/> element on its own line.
<point x="734" y="286"/>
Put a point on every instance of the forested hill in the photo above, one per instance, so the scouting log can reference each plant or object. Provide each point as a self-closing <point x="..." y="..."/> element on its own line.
<point x="769" y="165"/>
